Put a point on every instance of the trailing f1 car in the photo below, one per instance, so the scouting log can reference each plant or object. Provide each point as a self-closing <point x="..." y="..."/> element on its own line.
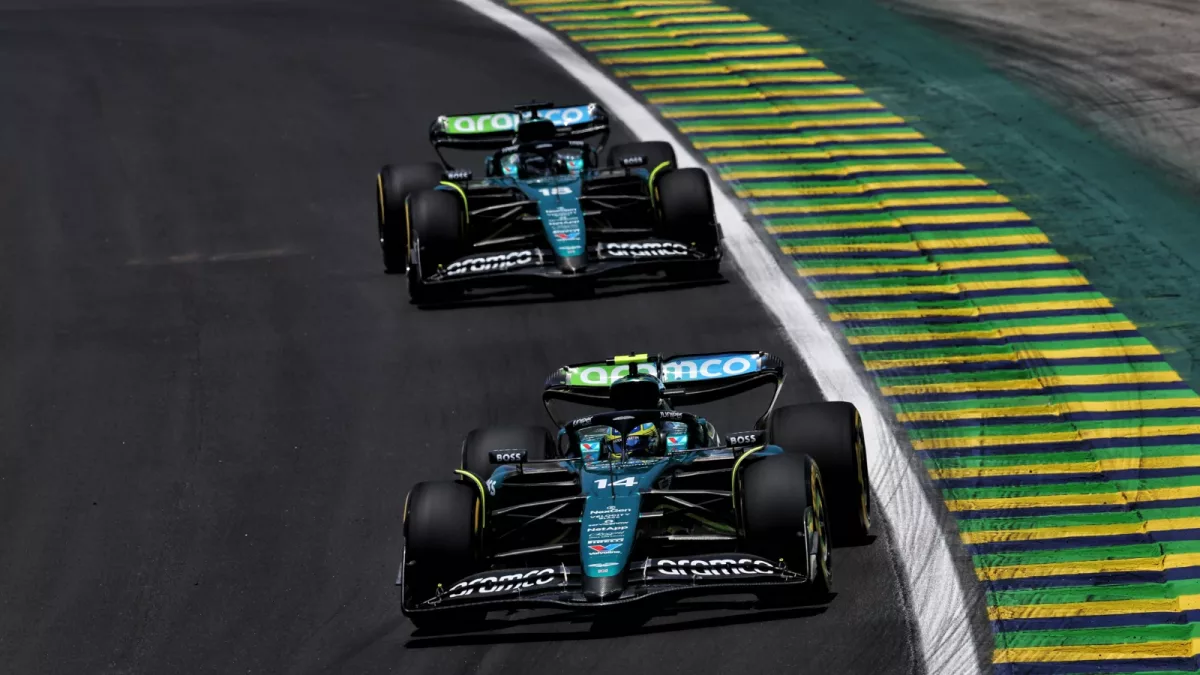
<point x="641" y="501"/>
<point x="545" y="209"/>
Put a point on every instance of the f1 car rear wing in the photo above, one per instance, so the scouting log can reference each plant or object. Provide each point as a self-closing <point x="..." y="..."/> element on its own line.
<point x="689" y="379"/>
<point x="493" y="131"/>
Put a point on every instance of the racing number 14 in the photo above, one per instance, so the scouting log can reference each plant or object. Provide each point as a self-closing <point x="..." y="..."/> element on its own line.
<point x="628" y="481"/>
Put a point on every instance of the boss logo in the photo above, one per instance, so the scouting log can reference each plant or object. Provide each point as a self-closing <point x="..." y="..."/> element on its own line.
<point x="743" y="438"/>
<point x="507" y="456"/>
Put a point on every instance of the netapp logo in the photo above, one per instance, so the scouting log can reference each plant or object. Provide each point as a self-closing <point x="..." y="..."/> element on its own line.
<point x="490" y="263"/>
<point x="650" y="249"/>
<point x="720" y="567"/>
<point x="503" y="584"/>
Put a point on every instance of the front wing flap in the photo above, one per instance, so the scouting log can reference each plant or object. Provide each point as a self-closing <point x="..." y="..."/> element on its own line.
<point x="604" y="259"/>
<point x="561" y="585"/>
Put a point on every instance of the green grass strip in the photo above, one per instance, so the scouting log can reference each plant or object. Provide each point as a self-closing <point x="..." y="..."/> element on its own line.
<point x="1082" y="488"/>
<point x="1091" y="593"/>
<point x="1076" y="519"/>
<point x="917" y="283"/>
<point x="1050" y="427"/>
<point x="1070" y="457"/>
<point x="914" y="329"/>
<point x="1062" y="370"/>
<point x="901" y="304"/>
<point x="1072" y="555"/>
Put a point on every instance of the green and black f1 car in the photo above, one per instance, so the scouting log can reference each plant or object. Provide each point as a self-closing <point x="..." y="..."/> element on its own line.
<point x="641" y="501"/>
<point x="545" y="209"/>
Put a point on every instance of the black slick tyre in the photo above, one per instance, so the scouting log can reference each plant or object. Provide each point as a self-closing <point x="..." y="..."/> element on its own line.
<point x="831" y="433"/>
<point x="686" y="214"/>
<point x="436" y="219"/>
<point x="535" y="441"/>
<point x="654" y="152"/>
<point x="782" y="502"/>
<point x="441" y="534"/>
<point x="393" y="184"/>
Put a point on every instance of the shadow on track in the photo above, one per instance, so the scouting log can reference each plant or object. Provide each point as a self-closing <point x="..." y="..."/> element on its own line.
<point x="511" y="297"/>
<point x="619" y="625"/>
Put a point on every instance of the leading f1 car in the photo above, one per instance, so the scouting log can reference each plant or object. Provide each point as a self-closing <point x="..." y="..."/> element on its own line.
<point x="641" y="500"/>
<point x="545" y="209"/>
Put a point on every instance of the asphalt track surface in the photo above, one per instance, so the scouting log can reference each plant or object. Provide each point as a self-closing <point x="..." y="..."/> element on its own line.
<point x="213" y="401"/>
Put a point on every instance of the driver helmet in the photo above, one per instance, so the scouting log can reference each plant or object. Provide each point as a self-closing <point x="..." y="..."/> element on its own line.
<point x="642" y="440"/>
<point x="534" y="165"/>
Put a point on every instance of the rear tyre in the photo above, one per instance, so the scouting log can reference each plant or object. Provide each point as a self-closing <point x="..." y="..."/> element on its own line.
<point x="655" y="152"/>
<point x="686" y="214"/>
<point x="436" y="221"/>
<point x="779" y="495"/>
<point x="536" y="441"/>
<point x="392" y="186"/>
<point x="441" y="523"/>
<point x="831" y="433"/>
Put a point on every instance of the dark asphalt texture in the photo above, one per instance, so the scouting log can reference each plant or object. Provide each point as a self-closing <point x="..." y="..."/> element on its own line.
<point x="213" y="401"/>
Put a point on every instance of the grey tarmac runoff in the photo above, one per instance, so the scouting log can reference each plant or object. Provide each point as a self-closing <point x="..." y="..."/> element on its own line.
<point x="213" y="401"/>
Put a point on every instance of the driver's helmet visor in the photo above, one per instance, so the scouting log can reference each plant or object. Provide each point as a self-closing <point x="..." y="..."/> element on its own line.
<point x="642" y="440"/>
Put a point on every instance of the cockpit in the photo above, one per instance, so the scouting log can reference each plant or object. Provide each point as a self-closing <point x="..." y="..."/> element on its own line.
<point x="532" y="164"/>
<point x="645" y="440"/>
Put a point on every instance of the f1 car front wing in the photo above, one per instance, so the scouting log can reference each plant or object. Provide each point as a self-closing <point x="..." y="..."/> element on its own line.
<point x="604" y="259"/>
<point x="561" y="586"/>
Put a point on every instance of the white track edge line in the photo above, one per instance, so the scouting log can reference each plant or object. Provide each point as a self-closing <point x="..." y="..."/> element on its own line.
<point x="940" y="605"/>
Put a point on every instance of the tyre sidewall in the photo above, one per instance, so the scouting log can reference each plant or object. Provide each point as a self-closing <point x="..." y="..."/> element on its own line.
<point x="393" y="186"/>
<point x="831" y="434"/>
<point x="435" y="220"/>
<point x="442" y="527"/>
<point x="685" y="208"/>
<point x="784" y="516"/>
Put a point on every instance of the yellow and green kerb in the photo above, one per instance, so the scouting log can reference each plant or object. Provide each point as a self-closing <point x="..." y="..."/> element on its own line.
<point x="1061" y="439"/>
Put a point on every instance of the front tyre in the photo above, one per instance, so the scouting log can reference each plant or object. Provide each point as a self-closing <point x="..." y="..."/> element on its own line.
<point x="436" y="220"/>
<point x="832" y="434"/>
<point x="785" y="518"/>
<point x="686" y="214"/>
<point x="441" y="545"/>
<point x="393" y="184"/>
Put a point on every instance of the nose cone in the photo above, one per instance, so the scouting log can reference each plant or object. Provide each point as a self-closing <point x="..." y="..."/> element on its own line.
<point x="599" y="589"/>
<point x="573" y="264"/>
